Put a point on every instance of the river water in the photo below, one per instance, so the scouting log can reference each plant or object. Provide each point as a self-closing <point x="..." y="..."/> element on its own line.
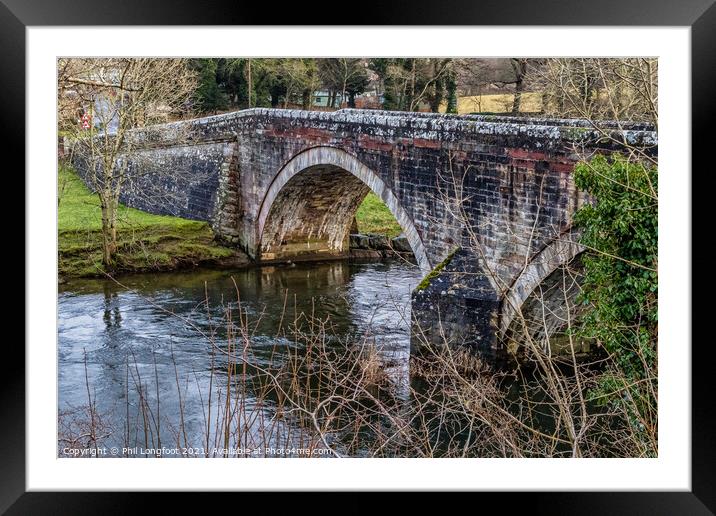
<point x="123" y="347"/>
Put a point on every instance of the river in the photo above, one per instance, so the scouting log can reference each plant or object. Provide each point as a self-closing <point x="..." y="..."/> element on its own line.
<point x="137" y="358"/>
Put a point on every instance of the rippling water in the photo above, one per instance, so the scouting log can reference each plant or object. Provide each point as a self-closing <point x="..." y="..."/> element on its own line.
<point x="156" y="330"/>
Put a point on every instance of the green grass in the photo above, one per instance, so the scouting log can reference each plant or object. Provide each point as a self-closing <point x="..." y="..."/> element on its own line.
<point x="146" y="242"/>
<point x="373" y="216"/>
<point x="79" y="210"/>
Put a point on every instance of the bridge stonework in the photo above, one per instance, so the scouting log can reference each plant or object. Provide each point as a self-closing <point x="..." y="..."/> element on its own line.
<point x="492" y="193"/>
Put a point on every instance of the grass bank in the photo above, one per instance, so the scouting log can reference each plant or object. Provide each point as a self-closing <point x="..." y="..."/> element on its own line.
<point x="373" y="216"/>
<point x="146" y="242"/>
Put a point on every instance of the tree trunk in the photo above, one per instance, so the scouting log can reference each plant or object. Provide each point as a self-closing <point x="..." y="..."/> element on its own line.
<point x="451" y="87"/>
<point x="109" y="233"/>
<point x="437" y="96"/>
<point x="248" y="72"/>
<point x="517" y="102"/>
<point x="343" y="92"/>
<point x="519" y="66"/>
<point x="412" y="107"/>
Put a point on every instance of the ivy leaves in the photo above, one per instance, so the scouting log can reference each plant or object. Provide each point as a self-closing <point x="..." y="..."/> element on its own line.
<point x="620" y="233"/>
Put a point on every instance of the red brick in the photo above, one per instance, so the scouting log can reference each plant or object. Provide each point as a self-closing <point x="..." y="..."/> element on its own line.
<point x="526" y="154"/>
<point x="561" y="167"/>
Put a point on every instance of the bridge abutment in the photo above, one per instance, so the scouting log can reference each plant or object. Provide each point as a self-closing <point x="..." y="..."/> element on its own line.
<point x="456" y="305"/>
<point x="228" y="216"/>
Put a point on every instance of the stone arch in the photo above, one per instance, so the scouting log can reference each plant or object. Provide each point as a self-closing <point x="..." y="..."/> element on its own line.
<point x="348" y="180"/>
<point x="559" y="252"/>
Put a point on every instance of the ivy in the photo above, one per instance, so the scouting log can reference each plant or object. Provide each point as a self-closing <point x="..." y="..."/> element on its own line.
<point x="620" y="234"/>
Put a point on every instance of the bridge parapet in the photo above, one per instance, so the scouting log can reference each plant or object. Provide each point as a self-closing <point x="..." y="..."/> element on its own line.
<point x="445" y="127"/>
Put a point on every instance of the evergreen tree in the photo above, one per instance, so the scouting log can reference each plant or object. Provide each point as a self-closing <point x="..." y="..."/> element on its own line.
<point x="451" y="90"/>
<point x="380" y="67"/>
<point x="209" y="96"/>
<point x="356" y="84"/>
<point x="437" y="94"/>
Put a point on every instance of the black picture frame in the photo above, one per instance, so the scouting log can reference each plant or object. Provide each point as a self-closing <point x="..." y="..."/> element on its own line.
<point x="700" y="15"/>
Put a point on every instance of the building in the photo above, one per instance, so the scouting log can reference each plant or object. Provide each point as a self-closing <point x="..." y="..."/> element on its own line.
<point x="322" y="98"/>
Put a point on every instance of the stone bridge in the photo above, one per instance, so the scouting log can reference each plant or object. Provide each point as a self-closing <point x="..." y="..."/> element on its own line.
<point x="486" y="203"/>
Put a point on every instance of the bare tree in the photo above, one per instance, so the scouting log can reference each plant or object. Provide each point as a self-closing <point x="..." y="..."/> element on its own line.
<point x="624" y="89"/>
<point x="299" y="76"/>
<point x="101" y="101"/>
<point x="340" y="75"/>
<point x="498" y="74"/>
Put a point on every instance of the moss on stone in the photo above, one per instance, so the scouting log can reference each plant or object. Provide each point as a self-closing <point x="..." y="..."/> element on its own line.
<point x="425" y="283"/>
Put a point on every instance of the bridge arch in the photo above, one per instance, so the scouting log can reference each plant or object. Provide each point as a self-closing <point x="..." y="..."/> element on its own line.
<point x="560" y="251"/>
<point x="313" y="199"/>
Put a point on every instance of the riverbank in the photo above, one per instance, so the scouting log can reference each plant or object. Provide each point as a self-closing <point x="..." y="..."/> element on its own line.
<point x="157" y="243"/>
<point x="146" y="242"/>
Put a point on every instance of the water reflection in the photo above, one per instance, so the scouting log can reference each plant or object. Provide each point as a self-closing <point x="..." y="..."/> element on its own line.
<point x="154" y="333"/>
<point x="112" y="315"/>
